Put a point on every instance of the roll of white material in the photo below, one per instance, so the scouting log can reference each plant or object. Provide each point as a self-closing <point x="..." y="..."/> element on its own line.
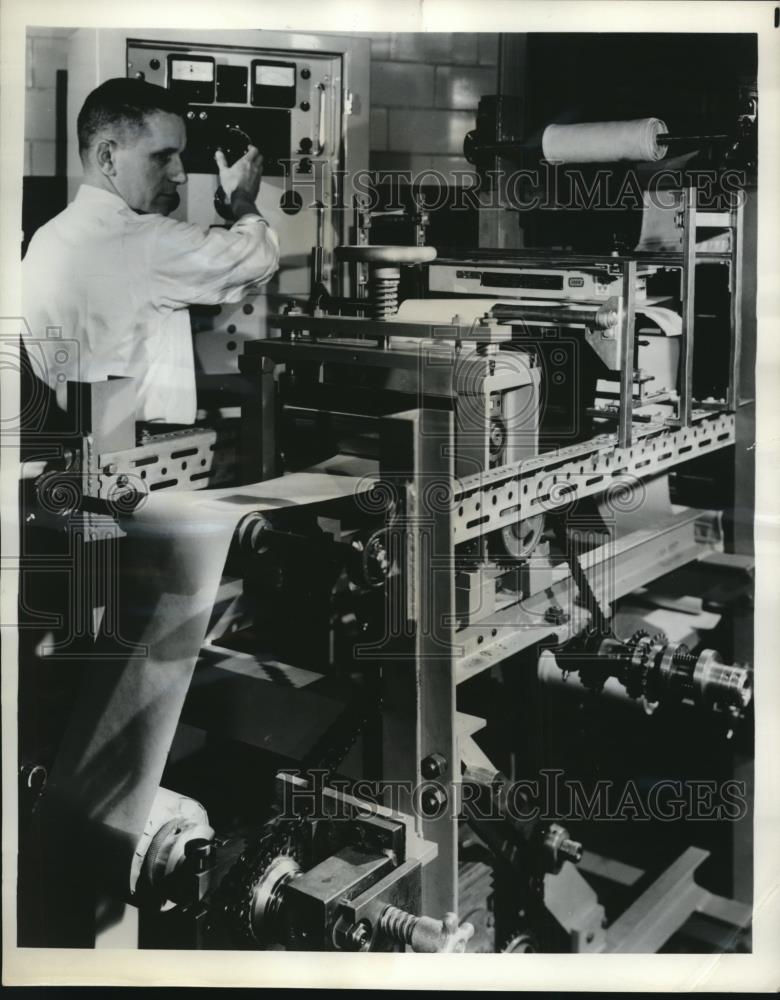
<point x="604" y="142"/>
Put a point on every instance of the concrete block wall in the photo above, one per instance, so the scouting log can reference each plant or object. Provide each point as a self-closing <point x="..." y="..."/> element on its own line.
<point x="47" y="52"/>
<point x="425" y="88"/>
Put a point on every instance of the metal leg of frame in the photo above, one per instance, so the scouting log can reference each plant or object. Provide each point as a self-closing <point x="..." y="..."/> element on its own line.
<point x="626" y="413"/>
<point x="258" y="423"/>
<point x="735" y="281"/>
<point x="688" y="282"/>
<point x="419" y="719"/>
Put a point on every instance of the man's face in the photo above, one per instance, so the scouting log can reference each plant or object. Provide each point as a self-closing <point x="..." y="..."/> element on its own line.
<point x="148" y="164"/>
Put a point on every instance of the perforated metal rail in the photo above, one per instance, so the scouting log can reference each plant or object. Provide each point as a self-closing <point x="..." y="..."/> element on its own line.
<point x="500" y="497"/>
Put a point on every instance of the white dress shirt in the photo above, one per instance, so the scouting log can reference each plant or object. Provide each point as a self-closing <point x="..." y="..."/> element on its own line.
<point x="119" y="284"/>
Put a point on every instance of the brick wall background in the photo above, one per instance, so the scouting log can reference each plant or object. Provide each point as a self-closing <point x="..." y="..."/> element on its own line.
<point x="47" y="52"/>
<point x="425" y="88"/>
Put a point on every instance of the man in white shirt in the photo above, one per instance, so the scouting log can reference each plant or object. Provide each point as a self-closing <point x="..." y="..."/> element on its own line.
<point x="115" y="275"/>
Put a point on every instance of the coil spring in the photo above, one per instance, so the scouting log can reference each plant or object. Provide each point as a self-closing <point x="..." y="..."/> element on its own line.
<point x="398" y="924"/>
<point x="383" y="293"/>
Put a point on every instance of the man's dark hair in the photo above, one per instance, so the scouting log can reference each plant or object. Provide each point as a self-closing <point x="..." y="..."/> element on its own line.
<point x="123" y="103"/>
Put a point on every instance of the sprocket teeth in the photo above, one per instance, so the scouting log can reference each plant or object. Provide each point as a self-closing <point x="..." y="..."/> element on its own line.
<point x="239" y="886"/>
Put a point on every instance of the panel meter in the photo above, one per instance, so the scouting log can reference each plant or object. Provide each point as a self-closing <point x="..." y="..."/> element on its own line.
<point x="192" y="77"/>
<point x="273" y="83"/>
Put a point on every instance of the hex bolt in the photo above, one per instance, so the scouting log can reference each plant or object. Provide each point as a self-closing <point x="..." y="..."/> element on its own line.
<point x="433" y="766"/>
<point x="560" y="847"/>
<point x="358" y="938"/>
<point x="432" y="801"/>
<point x="555" y="615"/>
<point x="570" y="850"/>
<point x="200" y="853"/>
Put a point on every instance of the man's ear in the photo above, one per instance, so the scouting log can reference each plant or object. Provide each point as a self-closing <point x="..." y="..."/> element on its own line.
<point x="104" y="156"/>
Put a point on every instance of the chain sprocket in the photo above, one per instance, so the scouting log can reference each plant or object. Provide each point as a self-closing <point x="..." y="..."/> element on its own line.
<point x="644" y="647"/>
<point x="231" y="906"/>
<point x="520" y="942"/>
<point x="231" y="903"/>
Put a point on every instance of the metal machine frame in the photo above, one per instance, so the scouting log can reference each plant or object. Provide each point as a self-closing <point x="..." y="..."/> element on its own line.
<point x="441" y="491"/>
<point x="433" y="511"/>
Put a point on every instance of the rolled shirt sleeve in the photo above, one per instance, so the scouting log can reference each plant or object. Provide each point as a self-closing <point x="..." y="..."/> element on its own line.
<point x="193" y="267"/>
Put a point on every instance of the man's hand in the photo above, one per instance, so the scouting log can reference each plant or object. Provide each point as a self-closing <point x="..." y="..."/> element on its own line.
<point x="241" y="181"/>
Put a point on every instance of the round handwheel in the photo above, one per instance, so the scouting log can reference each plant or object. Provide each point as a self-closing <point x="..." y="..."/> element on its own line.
<point x="391" y="256"/>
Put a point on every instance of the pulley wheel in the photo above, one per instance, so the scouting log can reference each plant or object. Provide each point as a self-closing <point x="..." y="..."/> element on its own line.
<point x="521" y="538"/>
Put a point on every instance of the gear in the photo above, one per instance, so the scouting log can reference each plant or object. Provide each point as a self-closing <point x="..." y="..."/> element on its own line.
<point x="523" y="942"/>
<point x="635" y="677"/>
<point x="519" y="942"/>
<point x="232" y="907"/>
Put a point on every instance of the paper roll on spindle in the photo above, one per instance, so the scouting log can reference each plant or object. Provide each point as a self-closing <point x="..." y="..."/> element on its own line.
<point x="604" y="142"/>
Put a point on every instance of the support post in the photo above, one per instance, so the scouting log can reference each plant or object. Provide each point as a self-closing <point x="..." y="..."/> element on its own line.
<point x="258" y="420"/>
<point x="689" y="312"/>
<point x="735" y="282"/>
<point x="419" y="722"/>
<point x="626" y="406"/>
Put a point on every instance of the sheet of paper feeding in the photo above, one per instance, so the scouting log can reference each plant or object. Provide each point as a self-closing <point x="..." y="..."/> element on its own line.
<point x="111" y="759"/>
<point x="667" y="320"/>
<point x="660" y="212"/>
<point x="470" y="310"/>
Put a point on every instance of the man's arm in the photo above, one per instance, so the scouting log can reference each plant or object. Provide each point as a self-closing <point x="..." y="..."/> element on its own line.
<point x="191" y="267"/>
